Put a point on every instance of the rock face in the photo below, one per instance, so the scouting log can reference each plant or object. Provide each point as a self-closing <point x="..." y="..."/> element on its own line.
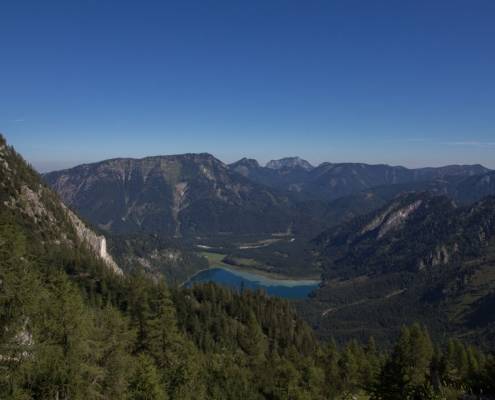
<point x="416" y="230"/>
<point x="190" y="194"/>
<point x="97" y="243"/>
<point x="391" y="218"/>
<point x="23" y="192"/>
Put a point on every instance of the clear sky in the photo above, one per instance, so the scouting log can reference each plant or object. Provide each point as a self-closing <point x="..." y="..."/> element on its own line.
<point x="399" y="82"/>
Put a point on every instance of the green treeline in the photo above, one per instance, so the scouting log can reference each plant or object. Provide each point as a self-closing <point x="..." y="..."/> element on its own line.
<point x="70" y="329"/>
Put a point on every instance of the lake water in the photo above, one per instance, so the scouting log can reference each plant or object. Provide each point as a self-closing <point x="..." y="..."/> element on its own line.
<point x="287" y="288"/>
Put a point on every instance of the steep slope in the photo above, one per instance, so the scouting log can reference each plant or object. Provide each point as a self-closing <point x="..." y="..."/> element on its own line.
<point x="377" y="243"/>
<point x="421" y="257"/>
<point x="190" y="194"/>
<point x="25" y="197"/>
<point x="158" y="256"/>
<point x="461" y="189"/>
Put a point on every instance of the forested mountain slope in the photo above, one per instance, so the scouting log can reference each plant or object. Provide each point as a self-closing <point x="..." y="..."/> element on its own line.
<point x="73" y="328"/>
<point x="158" y="210"/>
<point x="50" y="222"/>
<point x="420" y="257"/>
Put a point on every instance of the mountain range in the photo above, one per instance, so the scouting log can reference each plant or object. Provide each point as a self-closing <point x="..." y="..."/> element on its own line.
<point x="329" y="181"/>
<point x="197" y="194"/>
<point x="191" y="194"/>
<point x="73" y="325"/>
<point x="393" y="245"/>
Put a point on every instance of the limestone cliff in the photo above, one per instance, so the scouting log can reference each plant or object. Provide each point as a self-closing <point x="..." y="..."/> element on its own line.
<point x="23" y="193"/>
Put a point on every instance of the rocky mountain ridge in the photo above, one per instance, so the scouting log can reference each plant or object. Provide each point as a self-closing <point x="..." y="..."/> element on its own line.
<point x="197" y="194"/>
<point x="330" y="181"/>
<point x="422" y="253"/>
<point x="408" y="232"/>
<point x="289" y="163"/>
<point x="179" y="195"/>
<point x="24" y="193"/>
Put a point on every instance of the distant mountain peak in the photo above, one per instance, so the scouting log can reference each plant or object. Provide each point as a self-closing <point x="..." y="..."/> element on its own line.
<point x="289" y="162"/>
<point x="246" y="162"/>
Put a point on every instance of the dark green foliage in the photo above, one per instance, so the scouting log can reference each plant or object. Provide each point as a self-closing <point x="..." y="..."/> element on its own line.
<point x="419" y="258"/>
<point x="145" y="382"/>
<point x="72" y="329"/>
<point x="68" y="335"/>
<point x="405" y="375"/>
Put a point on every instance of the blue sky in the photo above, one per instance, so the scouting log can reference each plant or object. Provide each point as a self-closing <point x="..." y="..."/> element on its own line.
<point x="398" y="82"/>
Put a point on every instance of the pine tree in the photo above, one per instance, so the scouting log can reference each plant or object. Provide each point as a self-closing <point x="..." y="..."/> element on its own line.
<point x="174" y="355"/>
<point x="65" y="361"/>
<point x="138" y="309"/>
<point x="373" y="364"/>
<point x="406" y="374"/>
<point x="145" y="382"/>
<point x="113" y="344"/>
<point x="19" y="288"/>
<point x="252" y="340"/>
<point x="330" y="361"/>
<point x="349" y="370"/>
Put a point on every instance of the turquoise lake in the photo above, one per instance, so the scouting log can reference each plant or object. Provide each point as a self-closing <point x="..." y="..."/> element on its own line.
<point x="286" y="288"/>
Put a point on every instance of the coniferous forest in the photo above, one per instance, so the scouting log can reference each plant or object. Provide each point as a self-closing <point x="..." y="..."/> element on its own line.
<point x="247" y="200"/>
<point x="71" y="328"/>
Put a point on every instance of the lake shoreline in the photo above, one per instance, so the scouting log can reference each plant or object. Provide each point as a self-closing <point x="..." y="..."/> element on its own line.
<point x="253" y="274"/>
<point x="218" y="262"/>
<point x="310" y="280"/>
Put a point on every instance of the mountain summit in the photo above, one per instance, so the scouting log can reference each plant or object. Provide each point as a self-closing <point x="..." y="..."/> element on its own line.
<point x="289" y="162"/>
<point x="177" y="195"/>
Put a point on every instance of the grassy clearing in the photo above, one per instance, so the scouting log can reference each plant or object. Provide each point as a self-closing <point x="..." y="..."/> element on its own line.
<point x="214" y="259"/>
